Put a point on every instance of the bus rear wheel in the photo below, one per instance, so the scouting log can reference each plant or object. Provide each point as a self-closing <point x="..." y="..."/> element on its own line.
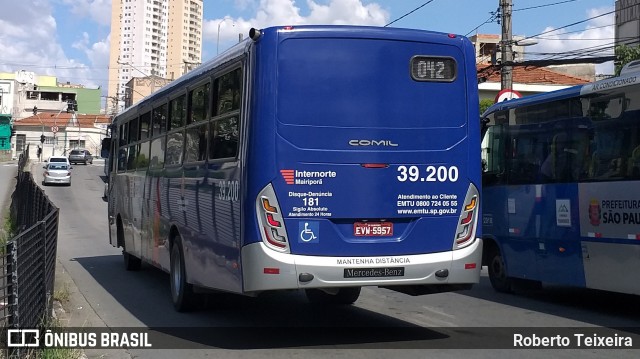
<point x="498" y="272"/>
<point x="342" y="296"/>
<point x="182" y="294"/>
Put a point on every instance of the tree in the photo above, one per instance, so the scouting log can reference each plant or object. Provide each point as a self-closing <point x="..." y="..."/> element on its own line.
<point x="485" y="104"/>
<point x="624" y="55"/>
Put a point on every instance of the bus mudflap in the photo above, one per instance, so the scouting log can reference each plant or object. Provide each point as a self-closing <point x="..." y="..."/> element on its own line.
<point x="417" y="290"/>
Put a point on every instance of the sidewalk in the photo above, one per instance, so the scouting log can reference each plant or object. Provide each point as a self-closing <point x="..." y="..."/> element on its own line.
<point x="70" y="307"/>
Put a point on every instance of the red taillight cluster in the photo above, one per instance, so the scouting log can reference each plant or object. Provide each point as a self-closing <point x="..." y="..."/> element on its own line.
<point x="468" y="219"/>
<point x="271" y="221"/>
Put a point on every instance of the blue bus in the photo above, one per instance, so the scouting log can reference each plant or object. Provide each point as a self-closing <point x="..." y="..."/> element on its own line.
<point x="323" y="158"/>
<point x="561" y="188"/>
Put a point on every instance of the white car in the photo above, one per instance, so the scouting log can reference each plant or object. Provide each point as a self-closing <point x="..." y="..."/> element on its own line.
<point x="57" y="173"/>
<point x="58" y="159"/>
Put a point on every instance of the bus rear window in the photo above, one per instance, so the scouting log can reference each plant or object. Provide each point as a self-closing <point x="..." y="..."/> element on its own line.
<point x="386" y="85"/>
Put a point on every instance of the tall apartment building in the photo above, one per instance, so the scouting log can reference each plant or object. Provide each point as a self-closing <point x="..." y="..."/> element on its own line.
<point x="152" y="38"/>
<point x="627" y="30"/>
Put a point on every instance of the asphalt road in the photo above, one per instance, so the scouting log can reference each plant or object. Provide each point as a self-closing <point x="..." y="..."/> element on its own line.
<point x="381" y="324"/>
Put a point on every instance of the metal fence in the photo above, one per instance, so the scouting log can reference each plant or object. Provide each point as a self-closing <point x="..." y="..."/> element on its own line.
<point x="28" y="259"/>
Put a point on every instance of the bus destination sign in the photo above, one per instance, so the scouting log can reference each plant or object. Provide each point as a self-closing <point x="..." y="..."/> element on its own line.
<point x="432" y="68"/>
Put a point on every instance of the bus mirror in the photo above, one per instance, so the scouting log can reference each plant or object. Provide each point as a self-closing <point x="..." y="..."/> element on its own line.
<point x="484" y="125"/>
<point x="105" y="148"/>
<point x="255" y="34"/>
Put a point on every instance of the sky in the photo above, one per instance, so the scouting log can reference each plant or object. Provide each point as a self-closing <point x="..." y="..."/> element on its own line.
<point x="70" y="38"/>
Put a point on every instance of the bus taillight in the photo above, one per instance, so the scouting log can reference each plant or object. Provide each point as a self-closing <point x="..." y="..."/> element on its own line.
<point x="267" y="206"/>
<point x="273" y="233"/>
<point x="467" y="221"/>
<point x="272" y="222"/>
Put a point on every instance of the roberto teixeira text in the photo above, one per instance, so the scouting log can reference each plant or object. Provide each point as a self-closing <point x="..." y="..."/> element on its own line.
<point x="576" y="340"/>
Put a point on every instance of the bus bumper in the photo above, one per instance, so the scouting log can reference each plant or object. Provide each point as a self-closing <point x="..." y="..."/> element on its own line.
<point x="265" y="269"/>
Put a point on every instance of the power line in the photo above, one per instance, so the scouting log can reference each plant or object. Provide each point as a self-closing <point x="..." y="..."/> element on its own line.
<point x="545" y="5"/>
<point x="582" y="55"/>
<point x="579" y="22"/>
<point x="496" y="14"/>
<point x="578" y="31"/>
<point x="409" y="13"/>
<point x="493" y="16"/>
<point x="88" y="68"/>
<point x="579" y="53"/>
<point x="572" y="24"/>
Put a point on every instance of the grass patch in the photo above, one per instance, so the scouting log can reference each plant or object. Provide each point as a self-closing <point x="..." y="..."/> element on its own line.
<point x="7" y="231"/>
<point x="62" y="294"/>
<point x="52" y="353"/>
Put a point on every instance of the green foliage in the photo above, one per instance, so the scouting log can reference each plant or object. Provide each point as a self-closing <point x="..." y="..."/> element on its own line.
<point x="624" y="55"/>
<point x="141" y="161"/>
<point x="7" y="231"/>
<point x="59" y="353"/>
<point x="485" y="104"/>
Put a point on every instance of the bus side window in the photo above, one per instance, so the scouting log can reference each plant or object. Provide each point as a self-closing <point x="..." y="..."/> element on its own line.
<point x="492" y="154"/>
<point x="157" y="153"/>
<point x="174" y="148"/>
<point x="608" y="155"/>
<point x="223" y="138"/>
<point x="131" y="160"/>
<point x="196" y="143"/>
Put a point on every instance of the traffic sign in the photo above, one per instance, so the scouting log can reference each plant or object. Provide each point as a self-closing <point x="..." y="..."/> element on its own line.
<point x="507" y="94"/>
<point x="54" y="129"/>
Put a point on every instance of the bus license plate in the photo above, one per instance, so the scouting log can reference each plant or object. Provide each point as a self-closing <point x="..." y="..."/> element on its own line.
<point x="373" y="229"/>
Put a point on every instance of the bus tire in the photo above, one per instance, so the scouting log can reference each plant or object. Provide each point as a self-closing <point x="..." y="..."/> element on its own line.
<point x="131" y="262"/>
<point x="182" y="294"/>
<point x="498" y="272"/>
<point x="344" y="296"/>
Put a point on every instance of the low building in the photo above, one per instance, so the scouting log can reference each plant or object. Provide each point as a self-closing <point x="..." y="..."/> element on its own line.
<point x="140" y="87"/>
<point x="62" y="132"/>
<point x="527" y="80"/>
<point x="22" y="91"/>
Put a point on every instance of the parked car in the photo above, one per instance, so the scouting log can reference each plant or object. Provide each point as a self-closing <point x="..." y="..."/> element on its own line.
<point x="57" y="172"/>
<point x="58" y="159"/>
<point x="84" y="156"/>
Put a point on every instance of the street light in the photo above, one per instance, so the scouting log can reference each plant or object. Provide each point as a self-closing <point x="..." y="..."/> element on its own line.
<point x="220" y="23"/>
<point x="152" y="80"/>
<point x="133" y="67"/>
<point x="132" y="89"/>
<point x="42" y="137"/>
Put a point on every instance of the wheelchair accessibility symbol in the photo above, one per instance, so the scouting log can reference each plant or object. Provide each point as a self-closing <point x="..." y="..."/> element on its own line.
<point x="309" y="232"/>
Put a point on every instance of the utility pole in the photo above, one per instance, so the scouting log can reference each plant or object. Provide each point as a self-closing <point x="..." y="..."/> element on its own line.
<point x="506" y="70"/>
<point x="72" y="108"/>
